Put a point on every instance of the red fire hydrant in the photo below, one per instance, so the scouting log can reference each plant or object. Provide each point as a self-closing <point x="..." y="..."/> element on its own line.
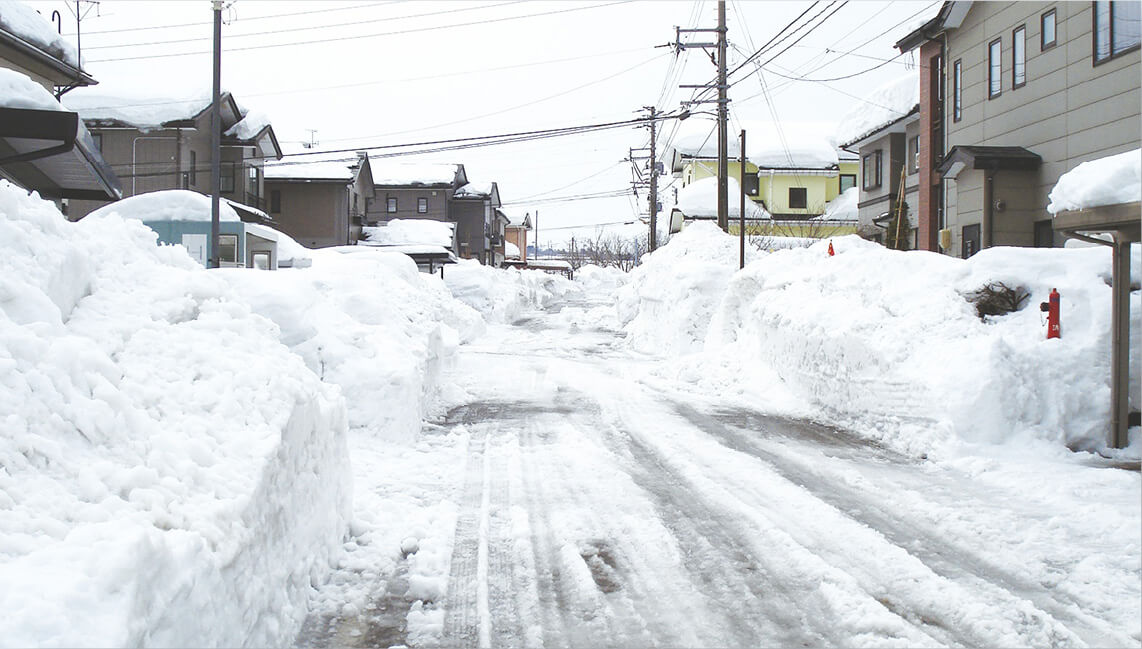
<point x="831" y="253"/>
<point x="1051" y="308"/>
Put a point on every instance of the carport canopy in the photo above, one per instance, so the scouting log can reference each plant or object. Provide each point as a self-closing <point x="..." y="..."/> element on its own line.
<point x="52" y="153"/>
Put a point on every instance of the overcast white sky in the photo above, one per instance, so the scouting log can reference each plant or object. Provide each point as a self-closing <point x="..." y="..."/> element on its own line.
<point x="375" y="73"/>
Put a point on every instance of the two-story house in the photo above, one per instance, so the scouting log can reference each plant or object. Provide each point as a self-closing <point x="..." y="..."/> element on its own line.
<point x="515" y="236"/>
<point x="320" y="203"/>
<point x="160" y="143"/>
<point x="479" y="231"/>
<point x="1013" y="95"/>
<point x="43" y="146"/>
<point x="884" y="132"/>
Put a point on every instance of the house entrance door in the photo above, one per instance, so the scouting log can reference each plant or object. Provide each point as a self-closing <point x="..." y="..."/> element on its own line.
<point x="970" y="244"/>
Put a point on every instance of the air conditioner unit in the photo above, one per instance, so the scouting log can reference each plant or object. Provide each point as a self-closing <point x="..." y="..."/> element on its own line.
<point x="945" y="239"/>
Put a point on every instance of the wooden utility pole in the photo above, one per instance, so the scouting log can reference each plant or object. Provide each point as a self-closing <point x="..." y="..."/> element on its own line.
<point x="653" y="241"/>
<point x="741" y="213"/>
<point x="723" y="172"/>
<point x="216" y="137"/>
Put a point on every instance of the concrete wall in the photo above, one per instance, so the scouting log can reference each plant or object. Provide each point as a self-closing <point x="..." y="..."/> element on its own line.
<point x="316" y="215"/>
<point x="1069" y="111"/>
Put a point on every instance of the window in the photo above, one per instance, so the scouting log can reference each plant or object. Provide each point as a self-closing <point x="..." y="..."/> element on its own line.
<point x="193" y="169"/>
<point x="1116" y="28"/>
<point x="1047" y="30"/>
<point x="228" y="248"/>
<point x="97" y="140"/>
<point x="252" y="184"/>
<point x="848" y="181"/>
<point x="391" y="205"/>
<point x="262" y="260"/>
<point x="226" y="182"/>
<point x="957" y="90"/>
<point x="913" y="154"/>
<point x="798" y="198"/>
<point x="970" y="244"/>
<point x="422" y="206"/>
<point x="1019" y="57"/>
<point x="275" y="201"/>
<point x="870" y="167"/>
<point x="994" y="68"/>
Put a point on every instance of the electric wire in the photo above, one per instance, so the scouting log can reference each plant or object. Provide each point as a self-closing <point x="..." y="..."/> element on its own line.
<point x="323" y="10"/>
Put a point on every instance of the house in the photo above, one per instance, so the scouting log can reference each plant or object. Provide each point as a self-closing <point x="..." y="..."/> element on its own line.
<point x="883" y="131"/>
<point x="182" y="217"/>
<point x="43" y="146"/>
<point x="1012" y="96"/>
<point x="792" y="170"/>
<point x="515" y="237"/>
<point x="428" y="242"/>
<point x="157" y="143"/>
<point x="478" y="230"/>
<point x="320" y="203"/>
<point x="413" y="191"/>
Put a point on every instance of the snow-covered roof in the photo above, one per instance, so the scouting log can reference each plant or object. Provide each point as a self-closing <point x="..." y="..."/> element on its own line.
<point x="263" y="231"/>
<point x="405" y="174"/>
<point x="844" y="206"/>
<point x="475" y="190"/>
<point x="699" y="199"/>
<point x="168" y="205"/>
<point x="885" y="105"/>
<point x="140" y="111"/>
<point x="17" y="90"/>
<point x="293" y="169"/>
<point x="771" y="145"/>
<point x="25" y="23"/>
<point x="413" y="249"/>
<point x="1112" y="180"/>
<point x="254" y="122"/>
<point x="404" y="232"/>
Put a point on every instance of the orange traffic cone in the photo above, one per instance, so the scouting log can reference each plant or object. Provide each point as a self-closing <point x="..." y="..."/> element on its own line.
<point x="831" y="253"/>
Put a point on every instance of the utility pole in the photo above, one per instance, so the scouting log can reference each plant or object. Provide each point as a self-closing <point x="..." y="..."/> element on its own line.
<point x="741" y="209"/>
<point x="216" y="137"/>
<point x="653" y="242"/>
<point x="722" y="101"/>
<point x="723" y="135"/>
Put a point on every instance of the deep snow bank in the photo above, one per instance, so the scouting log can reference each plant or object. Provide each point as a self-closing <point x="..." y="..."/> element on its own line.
<point x="170" y="474"/>
<point x="502" y="294"/>
<point x="886" y="341"/>
<point x="366" y="320"/>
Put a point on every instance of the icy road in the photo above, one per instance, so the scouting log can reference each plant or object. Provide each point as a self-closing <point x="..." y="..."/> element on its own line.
<point x="575" y="498"/>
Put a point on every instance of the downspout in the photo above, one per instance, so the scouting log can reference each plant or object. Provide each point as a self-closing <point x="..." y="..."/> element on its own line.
<point x="985" y="225"/>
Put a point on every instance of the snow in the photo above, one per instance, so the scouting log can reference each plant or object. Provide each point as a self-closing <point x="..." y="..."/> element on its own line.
<point x="173" y="474"/>
<point x="403" y="174"/>
<point x="168" y="205"/>
<point x="26" y="23"/>
<point x="135" y="107"/>
<point x="17" y="90"/>
<point x="769" y="149"/>
<point x="405" y="232"/>
<point x="883" y="106"/>
<point x="501" y="295"/>
<point x="1106" y="181"/>
<point x="699" y="199"/>
<point x="511" y="251"/>
<point x="292" y="254"/>
<point x="474" y="190"/>
<point x="299" y="168"/>
<point x="844" y="206"/>
<point x="249" y="126"/>
<point x="886" y="342"/>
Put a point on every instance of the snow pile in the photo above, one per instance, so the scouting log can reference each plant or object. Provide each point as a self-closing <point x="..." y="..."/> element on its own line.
<point x="26" y="23"/>
<point x="172" y="474"/>
<point x="511" y="251"/>
<point x="502" y="294"/>
<point x="606" y="279"/>
<point x="410" y="232"/>
<point x="409" y="175"/>
<point x="843" y="207"/>
<point x="668" y="300"/>
<point x="1107" y="181"/>
<point x="367" y="321"/>
<point x="699" y="199"/>
<point x="168" y="205"/>
<point x="884" y="106"/>
<point x="292" y="254"/>
<point x="886" y="341"/>
<point x="17" y="90"/>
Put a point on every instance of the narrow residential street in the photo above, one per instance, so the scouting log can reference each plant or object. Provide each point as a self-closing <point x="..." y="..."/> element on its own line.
<point x="599" y="506"/>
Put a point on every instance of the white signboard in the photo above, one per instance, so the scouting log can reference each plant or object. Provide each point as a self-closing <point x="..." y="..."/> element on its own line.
<point x="195" y="244"/>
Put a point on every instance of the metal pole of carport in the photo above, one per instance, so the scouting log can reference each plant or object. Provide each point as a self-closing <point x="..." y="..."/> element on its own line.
<point x="1120" y="343"/>
<point x="216" y="137"/>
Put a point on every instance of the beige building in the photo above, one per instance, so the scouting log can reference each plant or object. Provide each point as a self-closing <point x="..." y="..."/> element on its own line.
<point x="320" y="203"/>
<point x="1013" y="95"/>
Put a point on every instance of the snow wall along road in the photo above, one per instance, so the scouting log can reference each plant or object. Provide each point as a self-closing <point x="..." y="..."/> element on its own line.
<point x="170" y="473"/>
<point x="886" y="341"/>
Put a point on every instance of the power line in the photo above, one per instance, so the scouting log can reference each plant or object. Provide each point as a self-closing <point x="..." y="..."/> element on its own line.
<point x="323" y="10"/>
<point x="307" y="28"/>
<point x="363" y="36"/>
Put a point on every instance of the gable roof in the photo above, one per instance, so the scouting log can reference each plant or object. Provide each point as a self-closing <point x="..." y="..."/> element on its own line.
<point x="150" y="112"/>
<point x="480" y="191"/>
<point x="398" y="174"/>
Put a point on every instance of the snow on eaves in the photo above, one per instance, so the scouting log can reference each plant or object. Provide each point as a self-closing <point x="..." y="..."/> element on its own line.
<point x="135" y="109"/>
<point x="474" y="190"/>
<point x="1111" y="180"/>
<point x="315" y="170"/>
<point x="410" y="232"/>
<point x="699" y="199"/>
<point x="17" y="90"/>
<point x="168" y="205"/>
<point x="399" y="175"/>
<point x="29" y="25"/>
<point x="883" y="106"/>
<point x="252" y="123"/>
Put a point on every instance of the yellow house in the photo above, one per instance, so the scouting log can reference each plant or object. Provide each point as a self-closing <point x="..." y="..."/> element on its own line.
<point x="791" y="178"/>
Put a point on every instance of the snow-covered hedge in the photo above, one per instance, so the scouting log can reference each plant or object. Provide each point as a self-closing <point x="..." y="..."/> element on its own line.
<point x="885" y="341"/>
<point x="170" y="473"/>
